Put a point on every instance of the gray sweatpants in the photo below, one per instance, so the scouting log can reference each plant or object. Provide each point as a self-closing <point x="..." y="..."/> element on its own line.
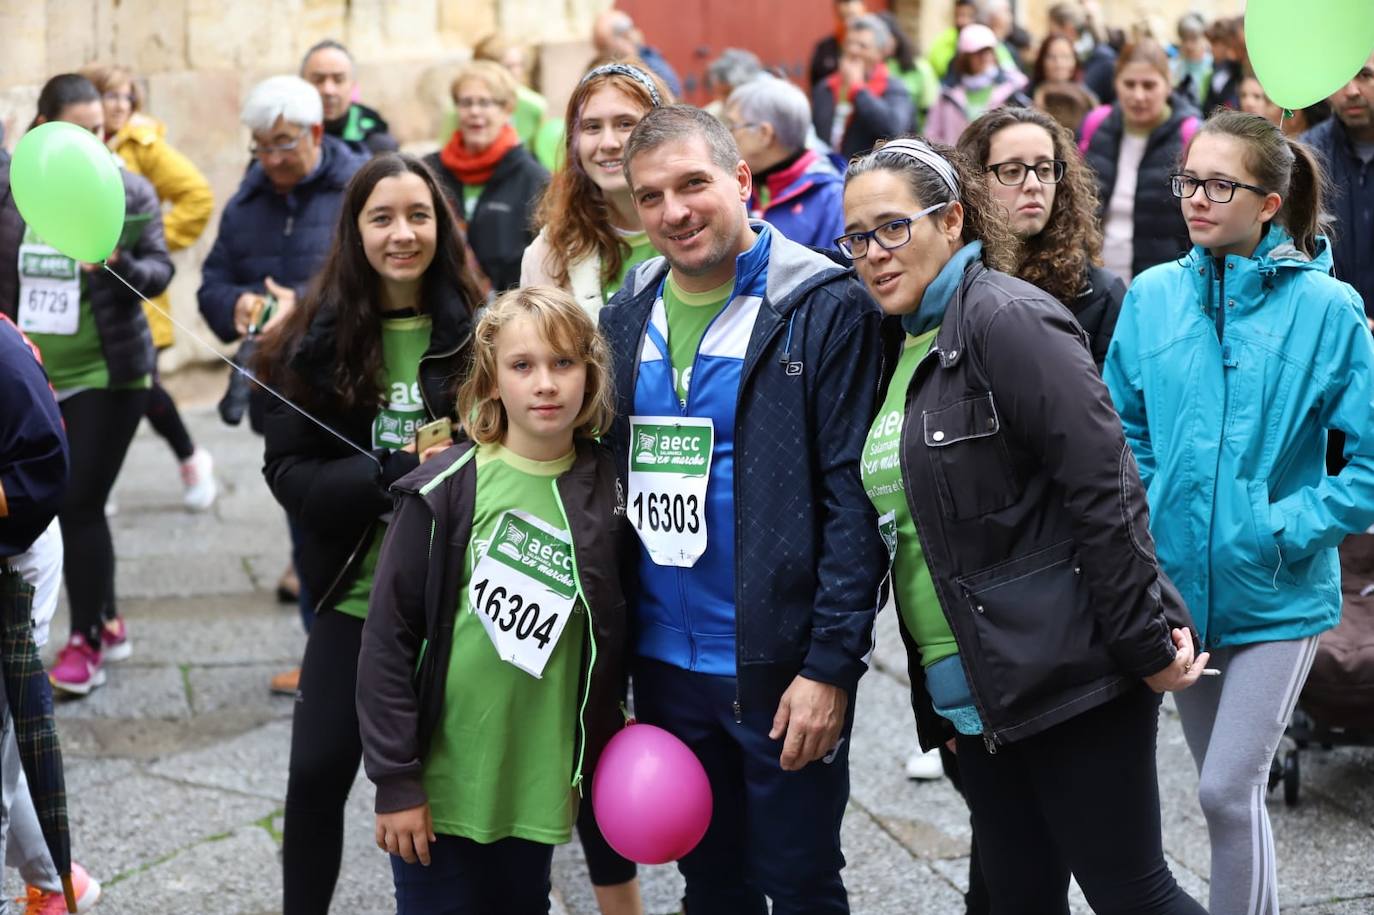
<point x="1233" y="724"/>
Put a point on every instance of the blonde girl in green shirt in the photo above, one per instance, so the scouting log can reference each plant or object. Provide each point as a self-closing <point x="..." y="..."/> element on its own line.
<point x="491" y="666"/>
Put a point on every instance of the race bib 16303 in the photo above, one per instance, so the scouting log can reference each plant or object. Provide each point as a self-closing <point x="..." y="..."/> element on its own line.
<point x="670" y="465"/>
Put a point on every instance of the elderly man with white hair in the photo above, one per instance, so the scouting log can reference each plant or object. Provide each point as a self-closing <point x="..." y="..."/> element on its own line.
<point x="274" y="235"/>
<point x="861" y="102"/>
<point x="797" y="190"/>
<point x="276" y="228"/>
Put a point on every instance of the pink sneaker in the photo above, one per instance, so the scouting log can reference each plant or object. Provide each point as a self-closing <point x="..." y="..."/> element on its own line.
<point x="114" y="641"/>
<point x="77" y="669"/>
<point x="41" y="902"/>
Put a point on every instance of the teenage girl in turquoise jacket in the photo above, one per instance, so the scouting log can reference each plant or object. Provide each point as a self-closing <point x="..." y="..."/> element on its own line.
<point x="1229" y="367"/>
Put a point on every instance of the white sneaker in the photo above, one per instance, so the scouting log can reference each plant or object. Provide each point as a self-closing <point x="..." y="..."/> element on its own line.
<point x="925" y="766"/>
<point x="198" y="476"/>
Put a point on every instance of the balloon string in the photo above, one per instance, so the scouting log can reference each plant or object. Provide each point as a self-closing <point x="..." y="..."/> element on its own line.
<point x="243" y="371"/>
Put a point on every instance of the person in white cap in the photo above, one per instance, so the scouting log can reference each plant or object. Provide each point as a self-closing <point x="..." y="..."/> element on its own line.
<point x="978" y="83"/>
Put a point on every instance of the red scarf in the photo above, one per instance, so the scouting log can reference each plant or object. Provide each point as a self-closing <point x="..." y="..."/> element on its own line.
<point x="476" y="168"/>
<point x="877" y="84"/>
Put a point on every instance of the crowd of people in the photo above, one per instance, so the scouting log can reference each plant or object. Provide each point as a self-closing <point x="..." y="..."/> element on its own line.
<point x="1059" y="349"/>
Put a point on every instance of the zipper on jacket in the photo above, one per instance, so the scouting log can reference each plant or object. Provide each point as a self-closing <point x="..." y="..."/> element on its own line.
<point x="290" y="224"/>
<point x="737" y="705"/>
<point x="429" y="560"/>
<point x="329" y="592"/>
<point x="989" y="738"/>
<point x="684" y="410"/>
<point x="419" y="370"/>
<point x="591" y="639"/>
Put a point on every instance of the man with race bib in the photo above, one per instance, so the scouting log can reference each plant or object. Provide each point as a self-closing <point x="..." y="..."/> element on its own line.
<point x="746" y="370"/>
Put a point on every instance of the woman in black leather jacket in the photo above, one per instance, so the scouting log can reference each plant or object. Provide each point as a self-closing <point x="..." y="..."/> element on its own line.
<point x="1030" y="602"/>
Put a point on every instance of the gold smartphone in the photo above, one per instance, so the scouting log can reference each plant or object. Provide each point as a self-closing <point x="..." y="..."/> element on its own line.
<point x="432" y="433"/>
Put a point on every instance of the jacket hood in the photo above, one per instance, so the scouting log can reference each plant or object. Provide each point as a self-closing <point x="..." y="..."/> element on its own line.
<point x="792" y="269"/>
<point x="1275" y="254"/>
<point x="811" y="169"/>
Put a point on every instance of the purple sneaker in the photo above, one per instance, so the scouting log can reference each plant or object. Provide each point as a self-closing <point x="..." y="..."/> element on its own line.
<point x="114" y="641"/>
<point x="77" y="668"/>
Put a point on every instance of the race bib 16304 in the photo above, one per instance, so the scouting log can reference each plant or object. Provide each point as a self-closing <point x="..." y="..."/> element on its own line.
<point x="523" y="590"/>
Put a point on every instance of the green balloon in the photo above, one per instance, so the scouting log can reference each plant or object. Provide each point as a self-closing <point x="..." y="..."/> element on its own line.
<point x="69" y="190"/>
<point x="1302" y="53"/>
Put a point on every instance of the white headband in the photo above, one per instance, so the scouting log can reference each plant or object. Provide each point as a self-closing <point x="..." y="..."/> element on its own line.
<point x="921" y="152"/>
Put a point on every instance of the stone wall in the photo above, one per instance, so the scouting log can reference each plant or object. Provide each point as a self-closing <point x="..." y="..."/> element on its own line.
<point x="198" y="58"/>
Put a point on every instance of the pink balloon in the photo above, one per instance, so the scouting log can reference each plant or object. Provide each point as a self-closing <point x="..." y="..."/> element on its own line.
<point x="651" y="795"/>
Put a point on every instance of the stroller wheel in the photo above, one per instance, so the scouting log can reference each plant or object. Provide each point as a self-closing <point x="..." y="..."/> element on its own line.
<point x="1290" y="778"/>
<point x="1275" y="773"/>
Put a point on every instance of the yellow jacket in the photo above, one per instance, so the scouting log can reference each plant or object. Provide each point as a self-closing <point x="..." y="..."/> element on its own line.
<point x="142" y="145"/>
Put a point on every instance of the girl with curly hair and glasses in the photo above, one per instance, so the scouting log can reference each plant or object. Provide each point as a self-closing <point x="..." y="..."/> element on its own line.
<point x="1033" y="170"/>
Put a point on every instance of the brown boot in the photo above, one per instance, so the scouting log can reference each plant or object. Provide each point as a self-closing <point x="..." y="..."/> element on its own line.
<point x="285" y="684"/>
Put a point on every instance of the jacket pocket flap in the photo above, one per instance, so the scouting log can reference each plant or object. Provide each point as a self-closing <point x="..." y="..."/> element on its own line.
<point x="1005" y="573"/>
<point x="972" y="417"/>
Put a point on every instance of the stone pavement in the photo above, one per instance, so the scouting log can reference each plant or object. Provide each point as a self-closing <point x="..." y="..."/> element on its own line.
<point x="177" y="767"/>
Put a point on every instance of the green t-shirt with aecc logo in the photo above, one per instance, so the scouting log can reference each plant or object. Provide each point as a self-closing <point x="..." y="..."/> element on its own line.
<point x="404" y="341"/>
<point x="881" y="470"/>
<point x="689" y="314"/>
<point x="501" y="762"/>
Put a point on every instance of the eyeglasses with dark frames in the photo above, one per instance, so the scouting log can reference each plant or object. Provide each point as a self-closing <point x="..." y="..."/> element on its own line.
<point x="1013" y="174"/>
<point x="1217" y="190"/>
<point x="890" y="235"/>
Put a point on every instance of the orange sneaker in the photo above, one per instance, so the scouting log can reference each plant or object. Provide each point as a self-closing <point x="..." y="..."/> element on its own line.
<point x="42" y="902"/>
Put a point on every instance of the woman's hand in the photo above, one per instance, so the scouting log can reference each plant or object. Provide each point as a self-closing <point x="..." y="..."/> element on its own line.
<point x="406" y="833"/>
<point x="436" y="448"/>
<point x="1184" y="670"/>
<point x="431" y="451"/>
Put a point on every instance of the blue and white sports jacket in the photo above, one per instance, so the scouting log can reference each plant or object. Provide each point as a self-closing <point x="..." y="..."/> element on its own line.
<point x="789" y="373"/>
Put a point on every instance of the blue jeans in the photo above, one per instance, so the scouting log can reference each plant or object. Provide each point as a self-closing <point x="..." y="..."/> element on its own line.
<point x="773" y="834"/>
<point x="474" y="878"/>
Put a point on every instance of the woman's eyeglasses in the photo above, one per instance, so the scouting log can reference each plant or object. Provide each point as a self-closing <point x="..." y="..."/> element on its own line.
<point x="1013" y="174"/>
<point x="889" y="236"/>
<point x="1217" y="190"/>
